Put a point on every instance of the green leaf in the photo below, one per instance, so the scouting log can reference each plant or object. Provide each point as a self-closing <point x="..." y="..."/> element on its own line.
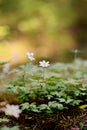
<point x="7" y="128"/>
<point x="60" y="107"/>
<point x="83" y="106"/>
<point x="4" y="120"/>
<point x="35" y="110"/>
<point x="76" y="102"/>
<point x="25" y="106"/>
<point x="62" y="100"/>
<point x="44" y="107"/>
<point x="55" y="105"/>
<point x="69" y="101"/>
<point x="49" y="97"/>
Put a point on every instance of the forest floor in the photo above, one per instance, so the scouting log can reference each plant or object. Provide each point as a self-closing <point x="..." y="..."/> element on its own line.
<point x="72" y="119"/>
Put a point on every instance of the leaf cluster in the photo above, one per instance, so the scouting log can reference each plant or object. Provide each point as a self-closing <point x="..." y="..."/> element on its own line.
<point x="62" y="86"/>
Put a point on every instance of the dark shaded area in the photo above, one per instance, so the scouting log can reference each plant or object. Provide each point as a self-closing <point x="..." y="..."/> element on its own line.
<point x="67" y="120"/>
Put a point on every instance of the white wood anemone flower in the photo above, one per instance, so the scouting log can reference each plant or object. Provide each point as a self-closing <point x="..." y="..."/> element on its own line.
<point x="44" y="63"/>
<point x="30" y="56"/>
<point x="12" y="110"/>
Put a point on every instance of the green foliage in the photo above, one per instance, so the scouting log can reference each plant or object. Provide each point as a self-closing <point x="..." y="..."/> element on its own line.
<point x="83" y="106"/>
<point x="7" y="128"/>
<point x="64" y="85"/>
<point x="4" y="120"/>
<point x="82" y="126"/>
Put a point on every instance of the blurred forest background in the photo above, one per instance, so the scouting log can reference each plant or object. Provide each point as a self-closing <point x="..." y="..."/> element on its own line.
<point x="49" y="28"/>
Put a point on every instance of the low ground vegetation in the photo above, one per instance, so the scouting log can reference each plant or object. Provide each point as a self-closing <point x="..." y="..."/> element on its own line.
<point x="45" y="96"/>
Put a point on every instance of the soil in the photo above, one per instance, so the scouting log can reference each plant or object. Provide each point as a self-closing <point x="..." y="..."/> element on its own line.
<point x="71" y="119"/>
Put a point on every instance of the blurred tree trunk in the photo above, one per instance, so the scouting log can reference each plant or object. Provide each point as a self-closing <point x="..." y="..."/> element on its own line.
<point x="80" y="25"/>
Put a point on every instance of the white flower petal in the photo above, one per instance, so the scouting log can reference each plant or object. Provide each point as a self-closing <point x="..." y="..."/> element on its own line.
<point x="30" y="56"/>
<point x="44" y="63"/>
<point x="12" y="110"/>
